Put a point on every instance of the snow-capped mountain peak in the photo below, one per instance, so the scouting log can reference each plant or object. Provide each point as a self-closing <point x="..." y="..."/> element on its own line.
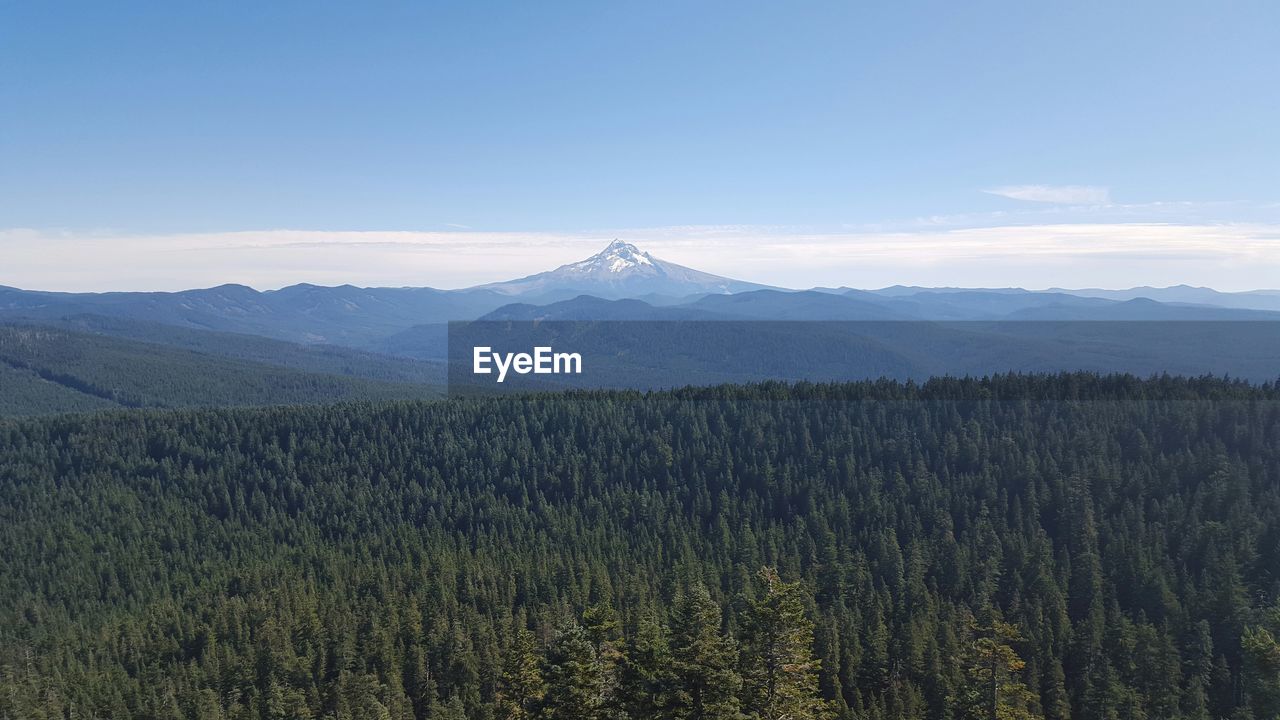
<point x="620" y="270"/>
<point x="619" y="257"/>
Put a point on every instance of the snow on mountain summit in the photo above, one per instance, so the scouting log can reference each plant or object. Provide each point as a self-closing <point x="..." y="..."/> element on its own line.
<point x="618" y="257"/>
<point x="621" y="270"/>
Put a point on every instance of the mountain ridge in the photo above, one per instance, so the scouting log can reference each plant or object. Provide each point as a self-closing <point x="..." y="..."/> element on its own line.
<point x="367" y="317"/>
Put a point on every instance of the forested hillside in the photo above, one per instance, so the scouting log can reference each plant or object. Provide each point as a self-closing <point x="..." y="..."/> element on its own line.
<point x="327" y="359"/>
<point x="1027" y="546"/>
<point x="47" y="370"/>
<point x="23" y="392"/>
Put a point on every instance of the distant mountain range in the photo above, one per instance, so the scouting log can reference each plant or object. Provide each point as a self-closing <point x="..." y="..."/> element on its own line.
<point x="381" y="335"/>
<point x="1253" y="299"/>
<point x="342" y="315"/>
<point x="368" y="317"/>
<point x="862" y="305"/>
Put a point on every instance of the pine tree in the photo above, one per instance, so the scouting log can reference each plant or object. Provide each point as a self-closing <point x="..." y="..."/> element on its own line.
<point x="453" y="709"/>
<point x="366" y="561"/>
<point x="520" y="685"/>
<point x="1262" y="672"/>
<point x="779" y="672"/>
<point x="993" y="689"/>
<point x="647" y="681"/>
<point x="1053" y="692"/>
<point x="703" y="659"/>
<point x="605" y="632"/>
<point x="574" y="690"/>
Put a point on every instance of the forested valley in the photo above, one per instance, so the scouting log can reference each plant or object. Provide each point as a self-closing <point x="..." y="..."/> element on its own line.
<point x="1068" y="546"/>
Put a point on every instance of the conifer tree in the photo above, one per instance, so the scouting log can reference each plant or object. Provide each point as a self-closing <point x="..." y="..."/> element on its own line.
<point x="647" y="680"/>
<point x="367" y="560"/>
<point x="993" y="688"/>
<point x="574" y="690"/>
<point x="605" y="632"/>
<point x="520" y="686"/>
<point x="779" y="672"/>
<point x="703" y="658"/>
<point x="1262" y="672"/>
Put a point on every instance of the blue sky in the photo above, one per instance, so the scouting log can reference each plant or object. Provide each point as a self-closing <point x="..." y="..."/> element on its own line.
<point x="578" y="120"/>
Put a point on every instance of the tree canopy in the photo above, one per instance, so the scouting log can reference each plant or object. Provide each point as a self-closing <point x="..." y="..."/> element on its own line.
<point x="1053" y="547"/>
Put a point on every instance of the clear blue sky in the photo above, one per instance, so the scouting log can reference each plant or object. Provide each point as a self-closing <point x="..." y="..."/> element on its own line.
<point x="158" y="117"/>
<point x="138" y="139"/>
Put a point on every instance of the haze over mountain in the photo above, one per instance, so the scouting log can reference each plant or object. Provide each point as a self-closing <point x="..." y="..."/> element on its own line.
<point x="343" y="315"/>
<point x="645" y="323"/>
<point x="356" y="316"/>
<point x="348" y="315"/>
<point x="1252" y="299"/>
<point x="621" y="282"/>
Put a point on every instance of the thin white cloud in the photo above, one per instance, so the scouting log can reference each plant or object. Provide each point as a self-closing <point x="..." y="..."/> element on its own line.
<point x="1227" y="256"/>
<point x="1057" y="194"/>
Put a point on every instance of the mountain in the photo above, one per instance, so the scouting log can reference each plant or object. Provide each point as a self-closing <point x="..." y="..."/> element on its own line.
<point x="903" y="290"/>
<point x="1250" y="300"/>
<point x="804" y="305"/>
<point x="363" y="317"/>
<point x="620" y="270"/>
<point x="342" y="315"/>
<point x="951" y="304"/>
<point x="406" y="320"/>
<point x="991" y="303"/>
<point x="587" y="307"/>
<point x="636" y="300"/>
<point x="772" y="305"/>
<point x="1139" y="308"/>
<point x="863" y="306"/>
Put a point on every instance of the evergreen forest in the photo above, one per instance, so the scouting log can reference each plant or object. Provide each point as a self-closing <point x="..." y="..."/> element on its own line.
<point x="1075" y="546"/>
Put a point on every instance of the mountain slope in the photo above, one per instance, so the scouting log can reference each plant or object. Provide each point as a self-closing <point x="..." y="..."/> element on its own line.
<point x="51" y="370"/>
<point x="382" y="318"/>
<point x="327" y="359"/>
<point x="343" y="315"/>
<point x="24" y="392"/>
<point x="799" y="306"/>
<point x="1140" y="309"/>
<point x="979" y="304"/>
<point x="620" y="270"/>
<point x="1251" y="300"/>
<point x="586" y="307"/>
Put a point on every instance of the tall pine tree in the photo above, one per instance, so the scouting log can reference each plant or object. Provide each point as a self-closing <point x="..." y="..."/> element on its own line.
<point x="703" y="659"/>
<point x="779" y="672"/>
